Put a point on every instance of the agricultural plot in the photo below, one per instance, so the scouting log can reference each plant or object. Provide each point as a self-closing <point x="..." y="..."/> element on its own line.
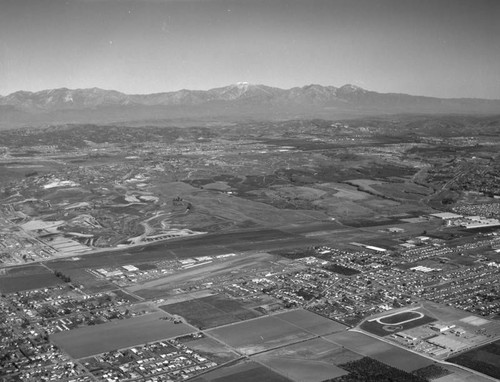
<point x="261" y="334"/>
<point x="408" y="191"/>
<point x="242" y="372"/>
<point x="432" y="372"/>
<point x="381" y="351"/>
<point x="27" y="278"/>
<point x="369" y="369"/>
<point x="485" y="359"/>
<point x="459" y="374"/>
<point x="91" y="340"/>
<point x="311" y="322"/>
<point x="313" y="360"/>
<point x="211" y="311"/>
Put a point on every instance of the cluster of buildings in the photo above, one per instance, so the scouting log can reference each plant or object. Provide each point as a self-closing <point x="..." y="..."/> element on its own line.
<point x="127" y="275"/>
<point x="473" y="289"/>
<point x="468" y="222"/>
<point x="25" y="350"/>
<point x="443" y="339"/>
<point x="62" y="308"/>
<point x="489" y="210"/>
<point x="168" y="360"/>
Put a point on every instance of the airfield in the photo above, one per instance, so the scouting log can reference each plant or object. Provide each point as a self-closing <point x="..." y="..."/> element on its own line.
<point x="282" y="346"/>
<point x="280" y="251"/>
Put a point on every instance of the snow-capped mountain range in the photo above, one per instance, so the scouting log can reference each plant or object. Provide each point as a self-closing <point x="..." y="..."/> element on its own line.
<point x="237" y="100"/>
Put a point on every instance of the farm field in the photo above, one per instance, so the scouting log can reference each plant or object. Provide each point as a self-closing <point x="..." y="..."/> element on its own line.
<point x="485" y="359"/>
<point x="380" y="351"/>
<point x="313" y="360"/>
<point x="27" y="278"/>
<point x="242" y="372"/>
<point x="458" y="374"/>
<point x="92" y="340"/>
<point x="211" y="311"/>
<point x="311" y="322"/>
<point x="261" y="334"/>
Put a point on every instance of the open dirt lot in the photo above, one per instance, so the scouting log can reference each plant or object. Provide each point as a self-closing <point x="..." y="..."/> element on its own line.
<point x="211" y="311"/>
<point x="381" y="351"/>
<point x="242" y="372"/>
<point x="257" y="335"/>
<point x="313" y="360"/>
<point x="92" y="340"/>
<point x="311" y="322"/>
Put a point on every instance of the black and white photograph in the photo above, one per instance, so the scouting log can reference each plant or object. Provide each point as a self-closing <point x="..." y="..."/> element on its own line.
<point x="250" y="190"/>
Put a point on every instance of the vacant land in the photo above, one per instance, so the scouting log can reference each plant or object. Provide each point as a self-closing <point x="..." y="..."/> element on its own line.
<point x="27" y="278"/>
<point x="443" y="312"/>
<point x="92" y="340"/>
<point x="304" y="370"/>
<point x="389" y="354"/>
<point x="261" y="334"/>
<point x="218" y="352"/>
<point x="311" y="322"/>
<point x="211" y="311"/>
<point x="458" y="374"/>
<point x="312" y="360"/>
<point x="242" y="372"/>
<point x="485" y="359"/>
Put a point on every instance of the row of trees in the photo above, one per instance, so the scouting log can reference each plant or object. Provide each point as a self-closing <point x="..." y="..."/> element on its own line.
<point x="62" y="276"/>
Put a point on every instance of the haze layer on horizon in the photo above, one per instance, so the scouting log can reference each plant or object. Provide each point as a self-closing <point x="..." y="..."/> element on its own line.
<point x="442" y="48"/>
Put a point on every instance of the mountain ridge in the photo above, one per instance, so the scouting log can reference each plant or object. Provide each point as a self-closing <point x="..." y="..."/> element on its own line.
<point x="240" y="100"/>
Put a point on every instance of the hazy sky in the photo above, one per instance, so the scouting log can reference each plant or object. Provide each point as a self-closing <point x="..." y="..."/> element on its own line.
<point x="445" y="48"/>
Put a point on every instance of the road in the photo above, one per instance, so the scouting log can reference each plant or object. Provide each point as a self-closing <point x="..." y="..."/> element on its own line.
<point x="358" y="330"/>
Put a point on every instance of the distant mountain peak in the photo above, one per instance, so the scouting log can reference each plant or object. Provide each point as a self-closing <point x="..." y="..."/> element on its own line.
<point x="239" y="100"/>
<point x="242" y="84"/>
<point x="352" y="89"/>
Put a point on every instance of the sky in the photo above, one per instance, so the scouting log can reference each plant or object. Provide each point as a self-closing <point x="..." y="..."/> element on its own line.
<point x="441" y="48"/>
